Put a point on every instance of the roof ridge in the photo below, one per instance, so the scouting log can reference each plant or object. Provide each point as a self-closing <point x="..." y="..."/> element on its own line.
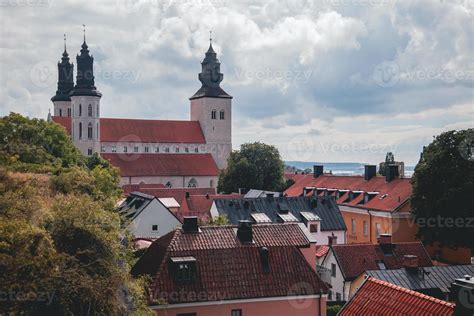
<point x="411" y="292"/>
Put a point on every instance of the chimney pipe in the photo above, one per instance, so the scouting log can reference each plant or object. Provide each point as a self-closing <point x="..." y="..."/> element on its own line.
<point x="318" y="170"/>
<point x="410" y="262"/>
<point x="385" y="239"/>
<point x="264" y="259"/>
<point x="187" y="194"/>
<point x="190" y="224"/>
<point x="332" y="240"/>
<point x="244" y="231"/>
<point x="370" y="171"/>
<point x="391" y="172"/>
<point x="270" y="195"/>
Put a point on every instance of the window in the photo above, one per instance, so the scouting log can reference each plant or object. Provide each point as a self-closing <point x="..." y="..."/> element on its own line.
<point x="168" y="184"/>
<point x="135" y="149"/>
<point x="69" y="112"/>
<point x="60" y="112"/>
<point x="196" y="150"/>
<point x="192" y="183"/>
<point x="313" y="228"/>
<point x="80" y="110"/>
<point x="338" y="296"/>
<point x="213" y="115"/>
<point x="80" y="130"/>
<point x="366" y="228"/>
<point x="377" y="230"/>
<point x="89" y="131"/>
<point x="221" y="115"/>
<point x="167" y="150"/>
<point x="125" y="149"/>
<point x="89" y="110"/>
<point x="186" y="149"/>
<point x="97" y="107"/>
<point x="102" y="149"/>
<point x="353" y="226"/>
<point x="177" y="149"/>
<point x="114" y="149"/>
<point x="89" y="151"/>
<point x="154" y="228"/>
<point x="157" y="149"/>
<point x="236" y="312"/>
<point x="147" y="149"/>
<point x="330" y="295"/>
<point x="381" y="265"/>
<point x="333" y="270"/>
<point x="211" y="183"/>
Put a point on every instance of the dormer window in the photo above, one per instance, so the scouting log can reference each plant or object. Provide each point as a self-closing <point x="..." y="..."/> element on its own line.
<point x="183" y="269"/>
<point x="213" y="114"/>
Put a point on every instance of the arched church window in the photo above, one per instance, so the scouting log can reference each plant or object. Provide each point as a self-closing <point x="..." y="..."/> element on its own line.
<point x="60" y="112"/>
<point x="89" y="110"/>
<point x="80" y="130"/>
<point x="69" y="112"/>
<point x="213" y="114"/>
<point x="221" y="115"/>
<point x="168" y="184"/>
<point x="80" y="110"/>
<point x="89" y="131"/>
<point x="192" y="183"/>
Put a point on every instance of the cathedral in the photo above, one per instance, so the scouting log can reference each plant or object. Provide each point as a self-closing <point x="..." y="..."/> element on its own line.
<point x="171" y="153"/>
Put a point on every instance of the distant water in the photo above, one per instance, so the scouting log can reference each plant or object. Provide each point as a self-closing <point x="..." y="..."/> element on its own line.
<point x="341" y="168"/>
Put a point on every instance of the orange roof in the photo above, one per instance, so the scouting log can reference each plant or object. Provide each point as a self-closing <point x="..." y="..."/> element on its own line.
<point x="144" y="131"/>
<point x="64" y="121"/>
<point x="132" y="165"/>
<point x="391" y="195"/>
<point x="376" y="297"/>
<point x="321" y="250"/>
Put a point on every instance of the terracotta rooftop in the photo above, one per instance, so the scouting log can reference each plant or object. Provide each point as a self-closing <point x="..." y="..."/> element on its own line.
<point x="64" y="121"/>
<point x="226" y="266"/>
<point x="376" y="297"/>
<point x="163" y="164"/>
<point x="390" y="195"/>
<point x="353" y="259"/>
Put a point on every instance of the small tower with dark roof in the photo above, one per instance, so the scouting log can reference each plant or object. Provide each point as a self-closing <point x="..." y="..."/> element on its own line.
<point x="61" y="100"/>
<point x="85" y="104"/>
<point x="212" y="107"/>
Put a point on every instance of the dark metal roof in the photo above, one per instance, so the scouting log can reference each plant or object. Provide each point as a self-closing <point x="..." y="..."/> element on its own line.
<point x="324" y="207"/>
<point x="433" y="277"/>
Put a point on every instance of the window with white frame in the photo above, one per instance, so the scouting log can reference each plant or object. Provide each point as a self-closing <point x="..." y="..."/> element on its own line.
<point x="114" y="149"/>
<point x="353" y="226"/>
<point x="366" y="228"/>
<point x="135" y="149"/>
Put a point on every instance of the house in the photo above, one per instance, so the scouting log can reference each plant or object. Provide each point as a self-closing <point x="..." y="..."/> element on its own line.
<point x="147" y="216"/>
<point x="377" y="297"/>
<point x="320" y="215"/>
<point x="433" y="281"/>
<point x="251" y="270"/>
<point x="370" y="204"/>
<point x="187" y="153"/>
<point x="347" y="262"/>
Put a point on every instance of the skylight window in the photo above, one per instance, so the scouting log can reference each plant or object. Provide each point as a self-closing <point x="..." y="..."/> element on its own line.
<point x="260" y="218"/>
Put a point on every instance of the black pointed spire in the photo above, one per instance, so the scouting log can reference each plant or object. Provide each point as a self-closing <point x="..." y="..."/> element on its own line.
<point x="85" y="72"/>
<point x="65" y="77"/>
<point x="211" y="76"/>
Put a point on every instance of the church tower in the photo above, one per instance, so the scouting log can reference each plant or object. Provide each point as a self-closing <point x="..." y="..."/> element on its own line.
<point x="85" y="104"/>
<point x="61" y="100"/>
<point x="212" y="107"/>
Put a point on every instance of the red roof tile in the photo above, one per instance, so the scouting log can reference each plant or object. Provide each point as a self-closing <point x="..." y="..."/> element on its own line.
<point x="354" y="259"/>
<point x="397" y="191"/>
<point x="231" y="269"/>
<point x="64" y="121"/>
<point x="151" y="131"/>
<point x="163" y="164"/>
<point x="376" y="297"/>
<point x="146" y="131"/>
<point x="321" y="250"/>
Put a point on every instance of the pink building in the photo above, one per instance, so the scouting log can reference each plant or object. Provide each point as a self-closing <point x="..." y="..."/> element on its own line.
<point x="266" y="269"/>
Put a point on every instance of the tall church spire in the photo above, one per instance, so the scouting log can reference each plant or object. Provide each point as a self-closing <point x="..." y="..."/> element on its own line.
<point x="211" y="76"/>
<point x="85" y="72"/>
<point x="65" y="77"/>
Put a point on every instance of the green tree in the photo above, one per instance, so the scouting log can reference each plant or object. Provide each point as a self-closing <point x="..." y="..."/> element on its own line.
<point x="443" y="186"/>
<point x="254" y="166"/>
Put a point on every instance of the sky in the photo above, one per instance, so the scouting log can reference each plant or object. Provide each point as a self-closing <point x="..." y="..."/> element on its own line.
<point x="323" y="80"/>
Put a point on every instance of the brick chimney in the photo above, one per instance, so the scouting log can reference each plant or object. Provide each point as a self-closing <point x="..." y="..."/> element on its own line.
<point x="244" y="231"/>
<point x="391" y="172"/>
<point x="187" y="194"/>
<point x="190" y="224"/>
<point x="265" y="259"/>
<point x="318" y="170"/>
<point x="332" y="240"/>
<point x="370" y="171"/>
<point x="385" y="239"/>
<point x="410" y="262"/>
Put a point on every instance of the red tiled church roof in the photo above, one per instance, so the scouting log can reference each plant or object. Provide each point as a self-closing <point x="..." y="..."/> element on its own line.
<point x="230" y="268"/>
<point x="64" y="121"/>
<point x="163" y="164"/>
<point x="354" y="259"/>
<point x="397" y="191"/>
<point x="144" y="131"/>
<point x="376" y="297"/>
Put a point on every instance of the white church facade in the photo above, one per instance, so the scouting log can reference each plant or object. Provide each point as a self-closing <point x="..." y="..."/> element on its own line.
<point x="172" y="153"/>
